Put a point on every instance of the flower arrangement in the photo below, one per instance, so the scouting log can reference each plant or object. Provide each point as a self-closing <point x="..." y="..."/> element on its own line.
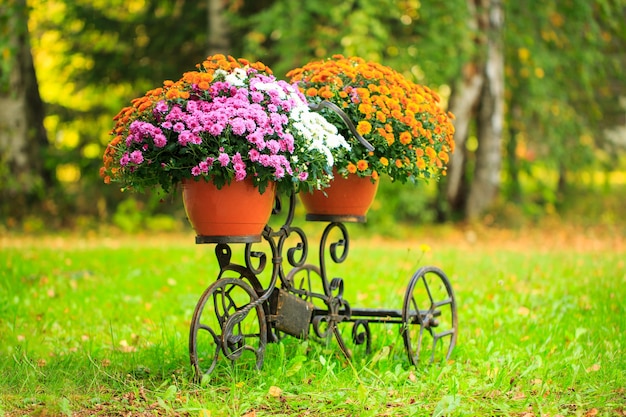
<point x="227" y="120"/>
<point x="411" y="134"/>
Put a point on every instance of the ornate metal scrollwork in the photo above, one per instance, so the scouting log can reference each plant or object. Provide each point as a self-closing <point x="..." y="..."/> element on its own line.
<point x="302" y="247"/>
<point x="361" y="334"/>
<point x="299" y="294"/>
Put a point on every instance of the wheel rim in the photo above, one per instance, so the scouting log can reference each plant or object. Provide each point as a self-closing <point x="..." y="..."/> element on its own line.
<point x="430" y="335"/>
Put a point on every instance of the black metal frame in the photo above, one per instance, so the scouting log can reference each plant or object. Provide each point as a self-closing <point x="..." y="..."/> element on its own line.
<point x="289" y="305"/>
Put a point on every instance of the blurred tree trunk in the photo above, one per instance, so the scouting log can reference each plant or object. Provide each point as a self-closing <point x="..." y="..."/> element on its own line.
<point x="486" y="181"/>
<point x="463" y="103"/>
<point x="23" y="138"/>
<point x="218" y="41"/>
<point x="479" y="97"/>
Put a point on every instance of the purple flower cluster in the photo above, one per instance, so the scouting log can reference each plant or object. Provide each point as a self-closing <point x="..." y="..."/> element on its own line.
<point x="226" y="126"/>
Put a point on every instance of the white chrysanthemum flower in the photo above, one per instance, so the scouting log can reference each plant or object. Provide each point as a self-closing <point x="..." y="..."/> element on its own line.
<point x="237" y="77"/>
<point x="219" y="73"/>
<point x="323" y="149"/>
<point x="320" y="134"/>
<point x="295" y="96"/>
<point x="261" y="86"/>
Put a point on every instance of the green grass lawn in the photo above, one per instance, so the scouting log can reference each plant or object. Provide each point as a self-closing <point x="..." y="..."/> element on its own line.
<point x="99" y="326"/>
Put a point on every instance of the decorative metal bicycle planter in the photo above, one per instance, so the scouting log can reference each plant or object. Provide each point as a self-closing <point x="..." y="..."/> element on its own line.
<point x="238" y="313"/>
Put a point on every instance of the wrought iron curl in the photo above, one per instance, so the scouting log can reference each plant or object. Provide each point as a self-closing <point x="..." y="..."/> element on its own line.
<point x="316" y="323"/>
<point x="336" y="286"/>
<point x="286" y="230"/>
<point x="338" y="249"/>
<point x="261" y="257"/>
<point x="223" y="253"/>
<point x="301" y="248"/>
<point x="363" y="336"/>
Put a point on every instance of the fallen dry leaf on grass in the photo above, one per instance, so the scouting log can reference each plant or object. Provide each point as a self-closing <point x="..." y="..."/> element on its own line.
<point x="275" y="391"/>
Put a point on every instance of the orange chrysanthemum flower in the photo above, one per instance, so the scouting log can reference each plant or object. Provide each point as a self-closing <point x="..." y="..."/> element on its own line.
<point x="405" y="138"/>
<point x="364" y="127"/>
<point x="391" y="112"/>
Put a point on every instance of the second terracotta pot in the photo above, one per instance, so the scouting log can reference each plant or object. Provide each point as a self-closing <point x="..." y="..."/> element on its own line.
<point x="345" y="200"/>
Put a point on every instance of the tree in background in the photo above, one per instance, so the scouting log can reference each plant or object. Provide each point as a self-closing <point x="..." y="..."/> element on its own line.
<point x="478" y="96"/>
<point x="563" y="78"/>
<point x="24" y="175"/>
<point x="218" y="41"/>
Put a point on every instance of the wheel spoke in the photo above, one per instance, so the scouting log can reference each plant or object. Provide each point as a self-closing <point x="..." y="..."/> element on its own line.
<point x="427" y="287"/>
<point x="444" y="334"/>
<point x="442" y="303"/>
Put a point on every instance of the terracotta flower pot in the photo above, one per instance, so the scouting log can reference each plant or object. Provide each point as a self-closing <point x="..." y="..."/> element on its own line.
<point x="236" y="213"/>
<point x="345" y="200"/>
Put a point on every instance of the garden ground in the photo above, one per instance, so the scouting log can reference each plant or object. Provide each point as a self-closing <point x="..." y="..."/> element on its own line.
<point x="98" y="325"/>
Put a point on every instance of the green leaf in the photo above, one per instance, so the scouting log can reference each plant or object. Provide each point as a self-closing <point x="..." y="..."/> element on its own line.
<point x="446" y="405"/>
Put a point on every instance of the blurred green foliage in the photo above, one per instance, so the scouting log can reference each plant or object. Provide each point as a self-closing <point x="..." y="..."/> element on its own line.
<point x="564" y="78"/>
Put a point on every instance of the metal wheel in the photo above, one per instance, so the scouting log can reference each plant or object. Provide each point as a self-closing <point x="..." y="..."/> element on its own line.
<point x="227" y="320"/>
<point x="429" y="317"/>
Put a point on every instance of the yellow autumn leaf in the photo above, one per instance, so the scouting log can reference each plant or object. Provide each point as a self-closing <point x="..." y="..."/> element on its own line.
<point x="594" y="368"/>
<point x="275" y="391"/>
